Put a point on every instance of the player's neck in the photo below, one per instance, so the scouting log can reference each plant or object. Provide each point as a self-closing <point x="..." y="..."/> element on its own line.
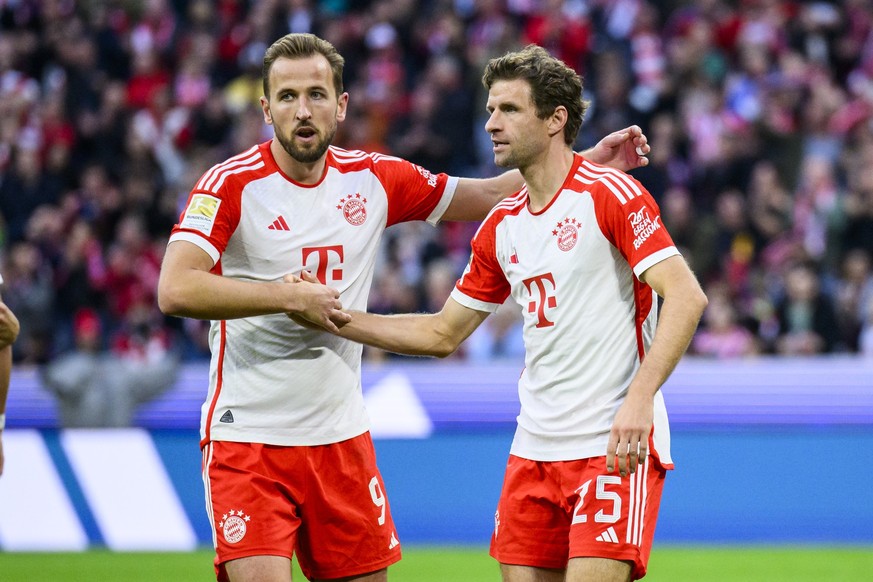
<point x="300" y="172"/>
<point x="545" y="178"/>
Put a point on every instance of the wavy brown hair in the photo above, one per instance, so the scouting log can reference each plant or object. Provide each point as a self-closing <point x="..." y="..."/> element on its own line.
<point x="552" y="84"/>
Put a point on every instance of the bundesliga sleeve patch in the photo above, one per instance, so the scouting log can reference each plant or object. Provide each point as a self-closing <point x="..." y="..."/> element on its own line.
<point x="200" y="214"/>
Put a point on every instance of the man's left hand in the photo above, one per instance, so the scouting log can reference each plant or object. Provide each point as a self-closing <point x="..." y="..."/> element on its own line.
<point x="629" y="437"/>
<point x="623" y="150"/>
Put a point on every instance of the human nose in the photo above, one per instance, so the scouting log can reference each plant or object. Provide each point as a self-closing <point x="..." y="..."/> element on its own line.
<point x="491" y="124"/>
<point x="303" y="110"/>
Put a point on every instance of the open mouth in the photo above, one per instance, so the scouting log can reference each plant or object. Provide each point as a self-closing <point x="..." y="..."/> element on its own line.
<point x="305" y="132"/>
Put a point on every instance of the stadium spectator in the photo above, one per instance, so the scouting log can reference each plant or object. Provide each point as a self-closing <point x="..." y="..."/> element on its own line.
<point x="865" y="339"/>
<point x="853" y="292"/>
<point x="95" y="387"/>
<point x="721" y="88"/>
<point x="721" y="335"/>
<point x="807" y="320"/>
<point x="30" y="293"/>
<point x="499" y="336"/>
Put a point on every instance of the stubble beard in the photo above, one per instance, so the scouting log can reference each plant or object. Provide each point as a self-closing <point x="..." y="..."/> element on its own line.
<point x="511" y="160"/>
<point x="519" y="156"/>
<point x="307" y="155"/>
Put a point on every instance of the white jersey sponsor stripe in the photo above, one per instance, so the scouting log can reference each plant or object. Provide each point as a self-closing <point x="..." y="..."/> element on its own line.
<point x="585" y="179"/>
<point x="617" y="187"/>
<point x="510" y="204"/>
<point x="225" y="175"/>
<point x="128" y="489"/>
<point x="208" y="180"/>
<point x="628" y="192"/>
<point x="384" y="158"/>
<point x="344" y="156"/>
<point x="245" y="157"/>
<point x="618" y="183"/>
<point x="620" y="178"/>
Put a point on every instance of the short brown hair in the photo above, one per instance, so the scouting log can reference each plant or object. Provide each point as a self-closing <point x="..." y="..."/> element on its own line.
<point x="302" y="45"/>
<point x="552" y="83"/>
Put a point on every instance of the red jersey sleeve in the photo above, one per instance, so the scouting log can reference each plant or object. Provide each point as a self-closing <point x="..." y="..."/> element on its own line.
<point x="630" y="219"/>
<point x="483" y="280"/>
<point x="212" y="212"/>
<point x="413" y="192"/>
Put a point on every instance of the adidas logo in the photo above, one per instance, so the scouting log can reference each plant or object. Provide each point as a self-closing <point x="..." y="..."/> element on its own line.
<point x="227" y="417"/>
<point x="279" y="224"/>
<point x="608" y="536"/>
<point x="394" y="543"/>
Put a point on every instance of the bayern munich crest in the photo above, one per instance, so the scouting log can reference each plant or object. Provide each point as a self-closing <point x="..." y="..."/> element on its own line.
<point x="567" y="233"/>
<point x="233" y="525"/>
<point x="354" y="209"/>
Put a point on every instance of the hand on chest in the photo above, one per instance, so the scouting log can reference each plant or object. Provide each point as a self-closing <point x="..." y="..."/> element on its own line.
<point x="314" y="230"/>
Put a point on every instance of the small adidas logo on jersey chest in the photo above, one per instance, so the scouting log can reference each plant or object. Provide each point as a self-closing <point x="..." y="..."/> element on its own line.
<point x="279" y="224"/>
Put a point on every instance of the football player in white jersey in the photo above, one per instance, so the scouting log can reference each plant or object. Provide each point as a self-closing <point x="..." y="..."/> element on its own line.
<point x="9" y="328"/>
<point x="292" y="226"/>
<point x="582" y="249"/>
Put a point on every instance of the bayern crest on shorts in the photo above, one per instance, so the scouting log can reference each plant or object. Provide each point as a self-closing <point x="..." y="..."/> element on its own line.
<point x="567" y="233"/>
<point x="354" y="209"/>
<point x="233" y="525"/>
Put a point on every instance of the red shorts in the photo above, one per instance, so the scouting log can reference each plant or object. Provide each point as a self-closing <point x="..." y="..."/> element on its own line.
<point x="324" y="503"/>
<point x="550" y="512"/>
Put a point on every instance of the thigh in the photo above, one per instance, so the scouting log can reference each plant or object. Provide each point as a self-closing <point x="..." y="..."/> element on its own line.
<point x="614" y="517"/>
<point x="511" y="573"/>
<point x="257" y="569"/>
<point x="531" y="525"/>
<point x="600" y="569"/>
<point x="252" y="510"/>
<point x="347" y="530"/>
<point x="379" y="576"/>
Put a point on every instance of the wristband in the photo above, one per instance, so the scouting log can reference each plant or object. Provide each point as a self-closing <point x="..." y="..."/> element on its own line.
<point x="2" y="420"/>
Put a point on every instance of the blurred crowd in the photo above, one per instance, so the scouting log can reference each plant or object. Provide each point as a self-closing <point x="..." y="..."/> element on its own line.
<point x="759" y="112"/>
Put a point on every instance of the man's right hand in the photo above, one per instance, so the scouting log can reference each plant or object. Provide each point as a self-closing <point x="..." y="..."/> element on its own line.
<point x="319" y="304"/>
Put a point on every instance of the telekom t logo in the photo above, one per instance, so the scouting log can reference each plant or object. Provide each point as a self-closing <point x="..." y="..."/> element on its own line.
<point x="540" y="298"/>
<point x="322" y="256"/>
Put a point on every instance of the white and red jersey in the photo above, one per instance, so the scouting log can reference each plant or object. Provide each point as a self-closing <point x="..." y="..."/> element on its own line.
<point x="588" y="319"/>
<point x="272" y="381"/>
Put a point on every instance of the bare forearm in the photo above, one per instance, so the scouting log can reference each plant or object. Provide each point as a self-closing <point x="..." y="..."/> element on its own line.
<point x="676" y="326"/>
<point x="202" y="295"/>
<point x="410" y="334"/>
<point x="474" y="198"/>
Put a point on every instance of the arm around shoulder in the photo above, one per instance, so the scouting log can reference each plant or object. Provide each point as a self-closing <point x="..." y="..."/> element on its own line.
<point x="475" y="197"/>
<point x="625" y="150"/>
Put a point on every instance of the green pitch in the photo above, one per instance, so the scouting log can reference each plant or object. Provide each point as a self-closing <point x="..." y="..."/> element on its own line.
<point x="668" y="564"/>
